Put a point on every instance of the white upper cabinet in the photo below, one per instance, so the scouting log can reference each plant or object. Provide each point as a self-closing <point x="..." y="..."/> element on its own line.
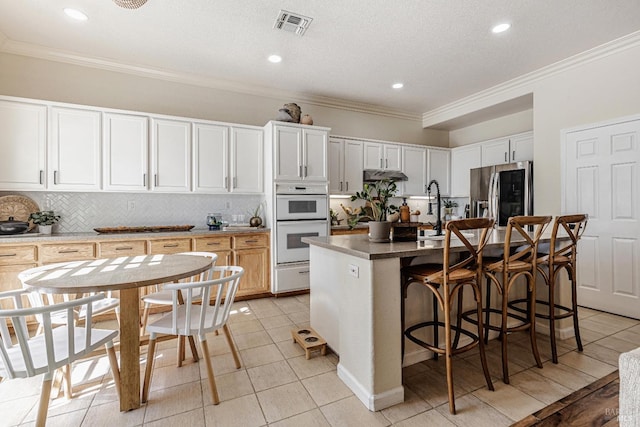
<point x="378" y="155"/>
<point x="247" y="160"/>
<point x="300" y="153"/>
<point x="463" y="159"/>
<point x="439" y="168"/>
<point x="74" y="150"/>
<point x="125" y="158"/>
<point x="414" y="165"/>
<point x="171" y="145"/>
<point x="23" y="139"/>
<point x="210" y="158"/>
<point x="345" y="166"/>
<point x="515" y="148"/>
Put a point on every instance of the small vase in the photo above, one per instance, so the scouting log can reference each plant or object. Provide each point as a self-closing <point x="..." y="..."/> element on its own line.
<point x="379" y="231"/>
<point x="255" y="221"/>
<point x="44" y="229"/>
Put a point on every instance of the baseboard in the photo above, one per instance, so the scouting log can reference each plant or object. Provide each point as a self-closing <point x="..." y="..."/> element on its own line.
<point x="373" y="402"/>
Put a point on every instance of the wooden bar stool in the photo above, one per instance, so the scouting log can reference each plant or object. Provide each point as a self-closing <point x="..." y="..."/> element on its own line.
<point x="504" y="273"/>
<point x="446" y="282"/>
<point x="561" y="256"/>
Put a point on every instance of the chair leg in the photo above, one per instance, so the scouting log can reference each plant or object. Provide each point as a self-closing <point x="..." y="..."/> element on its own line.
<point x="43" y="405"/>
<point x="574" y="305"/>
<point x="483" y="356"/>
<point x="456" y="340"/>
<point x="147" y="372"/>
<point x="66" y="372"/>
<point x="531" y="316"/>
<point x="436" y="338"/>
<point x="232" y="345"/>
<point x="145" y="319"/>
<point x="180" y="349"/>
<point x="487" y="315"/>
<point x="503" y="334"/>
<point x="210" y="375"/>
<point x="552" y="316"/>
<point x="402" y="314"/>
<point x="448" y="356"/>
<point x="115" y="370"/>
<point x="194" y="349"/>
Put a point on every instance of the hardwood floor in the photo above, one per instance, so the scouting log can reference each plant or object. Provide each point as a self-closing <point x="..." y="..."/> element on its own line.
<point x="593" y="405"/>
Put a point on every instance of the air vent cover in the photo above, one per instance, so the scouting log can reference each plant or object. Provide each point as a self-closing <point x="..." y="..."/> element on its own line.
<point x="292" y="22"/>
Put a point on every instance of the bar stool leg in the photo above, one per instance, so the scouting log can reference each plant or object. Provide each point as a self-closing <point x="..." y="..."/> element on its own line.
<point x="447" y="354"/>
<point x="459" y="319"/>
<point x="436" y="337"/>
<point x="574" y="304"/>
<point x="503" y="330"/>
<point x="487" y="318"/>
<point x="552" y="314"/>
<point x="531" y="317"/>
<point x="483" y="357"/>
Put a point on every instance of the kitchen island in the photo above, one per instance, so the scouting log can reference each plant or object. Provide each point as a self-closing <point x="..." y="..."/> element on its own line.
<point x="355" y="306"/>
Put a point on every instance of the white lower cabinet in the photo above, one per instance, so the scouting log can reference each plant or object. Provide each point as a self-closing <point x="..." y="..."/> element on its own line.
<point x="23" y="139"/>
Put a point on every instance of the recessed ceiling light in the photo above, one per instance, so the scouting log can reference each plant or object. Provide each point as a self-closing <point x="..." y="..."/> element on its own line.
<point x="275" y="58"/>
<point x="500" y="28"/>
<point x="75" y="14"/>
<point x="397" y="85"/>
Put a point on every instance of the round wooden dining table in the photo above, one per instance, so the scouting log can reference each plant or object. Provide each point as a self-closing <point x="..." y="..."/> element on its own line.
<point x="127" y="275"/>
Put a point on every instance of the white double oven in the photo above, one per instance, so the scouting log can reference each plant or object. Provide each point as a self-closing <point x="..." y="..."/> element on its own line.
<point x="300" y="211"/>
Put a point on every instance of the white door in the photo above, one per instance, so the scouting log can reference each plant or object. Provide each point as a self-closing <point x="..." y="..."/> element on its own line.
<point x="373" y="155"/>
<point x="463" y="159"/>
<point x="336" y="166"/>
<point x="352" y="166"/>
<point x="315" y="155"/>
<point x="74" y="151"/>
<point x="521" y="147"/>
<point x="602" y="179"/>
<point x="392" y="157"/>
<point x="247" y="159"/>
<point x="171" y="142"/>
<point x="23" y="137"/>
<point x="288" y="153"/>
<point x="495" y="152"/>
<point x="414" y="165"/>
<point x="439" y="168"/>
<point x="210" y="158"/>
<point x="126" y="147"/>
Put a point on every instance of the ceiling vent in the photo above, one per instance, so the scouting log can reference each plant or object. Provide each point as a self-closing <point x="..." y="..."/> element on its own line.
<point x="292" y="22"/>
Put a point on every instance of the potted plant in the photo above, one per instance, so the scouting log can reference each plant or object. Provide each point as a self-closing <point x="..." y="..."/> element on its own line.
<point x="44" y="220"/>
<point x="377" y="196"/>
<point x="448" y="206"/>
<point x="256" y="220"/>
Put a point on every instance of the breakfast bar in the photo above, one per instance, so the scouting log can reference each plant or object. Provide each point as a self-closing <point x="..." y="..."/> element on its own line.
<point x="356" y="302"/>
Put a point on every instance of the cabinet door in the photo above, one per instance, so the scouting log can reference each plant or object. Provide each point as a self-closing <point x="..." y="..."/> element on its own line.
<point x="125" y="156"/>
<point x="210" y="158"/>
<point x="353" y="156"/>
<point x="74" y="151"/>
<point x="169" y="246"/>
<point x="495" y="152"/>
<point x="315" y="155"/>
<point x="256" y="274"/>
<point x="23" y="139"/>
<point x="521" y="147"/>
<point x="171" y="142"/>
<point x="247" y="160"/>
<point x="463" y="159"/>
<point x="392" y="157"/>
<point x="414" y="165"/>
<point x="373" y="155"/>
<point x="439" y="168"/>
<point x="336" y="166"/>
<point x="288" y="153"/>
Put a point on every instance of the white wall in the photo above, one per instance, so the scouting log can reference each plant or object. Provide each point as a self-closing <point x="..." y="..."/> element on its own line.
<point x="42" y="79"/>
<point x="502" y="126"/>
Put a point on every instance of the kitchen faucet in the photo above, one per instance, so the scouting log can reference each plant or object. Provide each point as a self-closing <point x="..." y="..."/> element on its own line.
<point x="438" y="226"/>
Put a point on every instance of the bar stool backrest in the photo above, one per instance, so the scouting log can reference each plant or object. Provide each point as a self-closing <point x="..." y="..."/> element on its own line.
<point x="456" y="228"/>
<point x="573" y="226"/>
<point x="518" y="226"/>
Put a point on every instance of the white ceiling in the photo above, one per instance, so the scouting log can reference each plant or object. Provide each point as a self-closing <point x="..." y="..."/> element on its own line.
<point x="442" y="50"/>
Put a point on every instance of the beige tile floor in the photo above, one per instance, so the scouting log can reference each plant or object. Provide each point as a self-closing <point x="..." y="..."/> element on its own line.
<point x="277" y="386"/>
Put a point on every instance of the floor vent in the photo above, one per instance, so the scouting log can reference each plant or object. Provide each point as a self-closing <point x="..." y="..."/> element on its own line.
<point x="292" y="22"/>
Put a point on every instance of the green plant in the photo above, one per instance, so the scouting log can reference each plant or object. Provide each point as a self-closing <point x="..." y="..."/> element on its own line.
<point x="256" y="212"/>
<point x="44" y="218"/>
<point x="378" y="195"/>
<point x="448" y="203"/>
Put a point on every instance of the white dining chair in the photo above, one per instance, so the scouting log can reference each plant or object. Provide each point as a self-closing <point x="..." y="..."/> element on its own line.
<point x="165" y="297"/>
<point x="54" y="348"/>
<point x="191" y="319"/>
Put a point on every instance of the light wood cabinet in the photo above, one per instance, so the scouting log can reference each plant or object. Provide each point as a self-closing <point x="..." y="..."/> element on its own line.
<point x="218" y="245"/>
<point x="256" y="270"/>
<point x="60" y="252"/>
<point x="122" y="248"/>
<point x="169" y="246"/>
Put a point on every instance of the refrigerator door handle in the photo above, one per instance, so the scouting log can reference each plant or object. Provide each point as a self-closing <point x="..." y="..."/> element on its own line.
<point x="493" y="196"/>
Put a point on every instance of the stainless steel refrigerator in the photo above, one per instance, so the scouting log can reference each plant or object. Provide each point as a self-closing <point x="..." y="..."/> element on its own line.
<point x="501" y="191"/>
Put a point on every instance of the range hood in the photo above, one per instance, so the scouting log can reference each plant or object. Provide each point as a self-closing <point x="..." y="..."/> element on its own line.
<point x="373" y="175"/>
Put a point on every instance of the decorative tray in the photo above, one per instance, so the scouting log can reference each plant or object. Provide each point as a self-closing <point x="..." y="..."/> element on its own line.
<point x="18" y="207"/>
<point x="144" y="229"/>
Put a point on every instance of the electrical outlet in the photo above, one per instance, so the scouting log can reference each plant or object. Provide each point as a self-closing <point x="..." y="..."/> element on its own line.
<point x="354" y="270"/>
<point x="131" y="205"/>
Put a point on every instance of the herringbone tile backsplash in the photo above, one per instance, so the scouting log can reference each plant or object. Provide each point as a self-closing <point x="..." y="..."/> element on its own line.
<point x="80" y="212"/>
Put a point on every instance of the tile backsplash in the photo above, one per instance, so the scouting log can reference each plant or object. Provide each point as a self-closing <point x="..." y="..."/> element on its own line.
<point x="81" y="212"/>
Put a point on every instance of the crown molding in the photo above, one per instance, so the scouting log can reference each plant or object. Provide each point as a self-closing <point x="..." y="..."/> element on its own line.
<point x="25" y="49"/>
<point x="525" y="84"/>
